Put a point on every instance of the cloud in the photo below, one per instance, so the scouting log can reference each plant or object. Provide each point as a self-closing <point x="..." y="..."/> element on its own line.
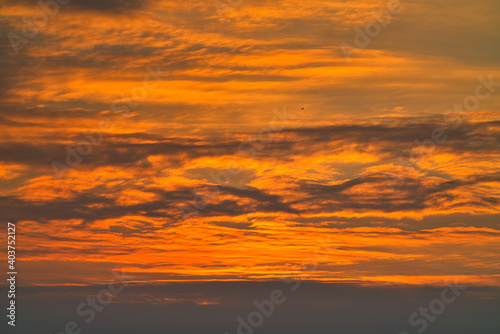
<point x="108" y="7"/>
<point x="340" y="167"/>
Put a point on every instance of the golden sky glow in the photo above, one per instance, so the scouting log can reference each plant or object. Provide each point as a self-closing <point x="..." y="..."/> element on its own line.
<point x="288" y="153"/>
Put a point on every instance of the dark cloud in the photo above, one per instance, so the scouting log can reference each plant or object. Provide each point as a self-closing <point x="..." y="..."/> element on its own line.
<point x="240" y="226"/>
<point x="409" y="195"/>
<point x="8" y="122"/>
<point x="390" y="140"/>
<point x="108" y="6"/>
<point x="83" y="206"/>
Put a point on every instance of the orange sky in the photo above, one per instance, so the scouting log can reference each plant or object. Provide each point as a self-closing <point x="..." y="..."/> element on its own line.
<point x="287" y="152"/>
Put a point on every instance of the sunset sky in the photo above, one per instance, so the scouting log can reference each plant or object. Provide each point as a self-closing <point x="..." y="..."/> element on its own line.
<point x="208" y="144"/>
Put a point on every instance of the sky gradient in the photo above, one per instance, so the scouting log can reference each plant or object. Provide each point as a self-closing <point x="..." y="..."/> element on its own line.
<point x="185" y="142"/>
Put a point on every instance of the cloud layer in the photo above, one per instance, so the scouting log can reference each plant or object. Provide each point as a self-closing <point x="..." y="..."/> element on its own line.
<point x="188" y="145"/>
